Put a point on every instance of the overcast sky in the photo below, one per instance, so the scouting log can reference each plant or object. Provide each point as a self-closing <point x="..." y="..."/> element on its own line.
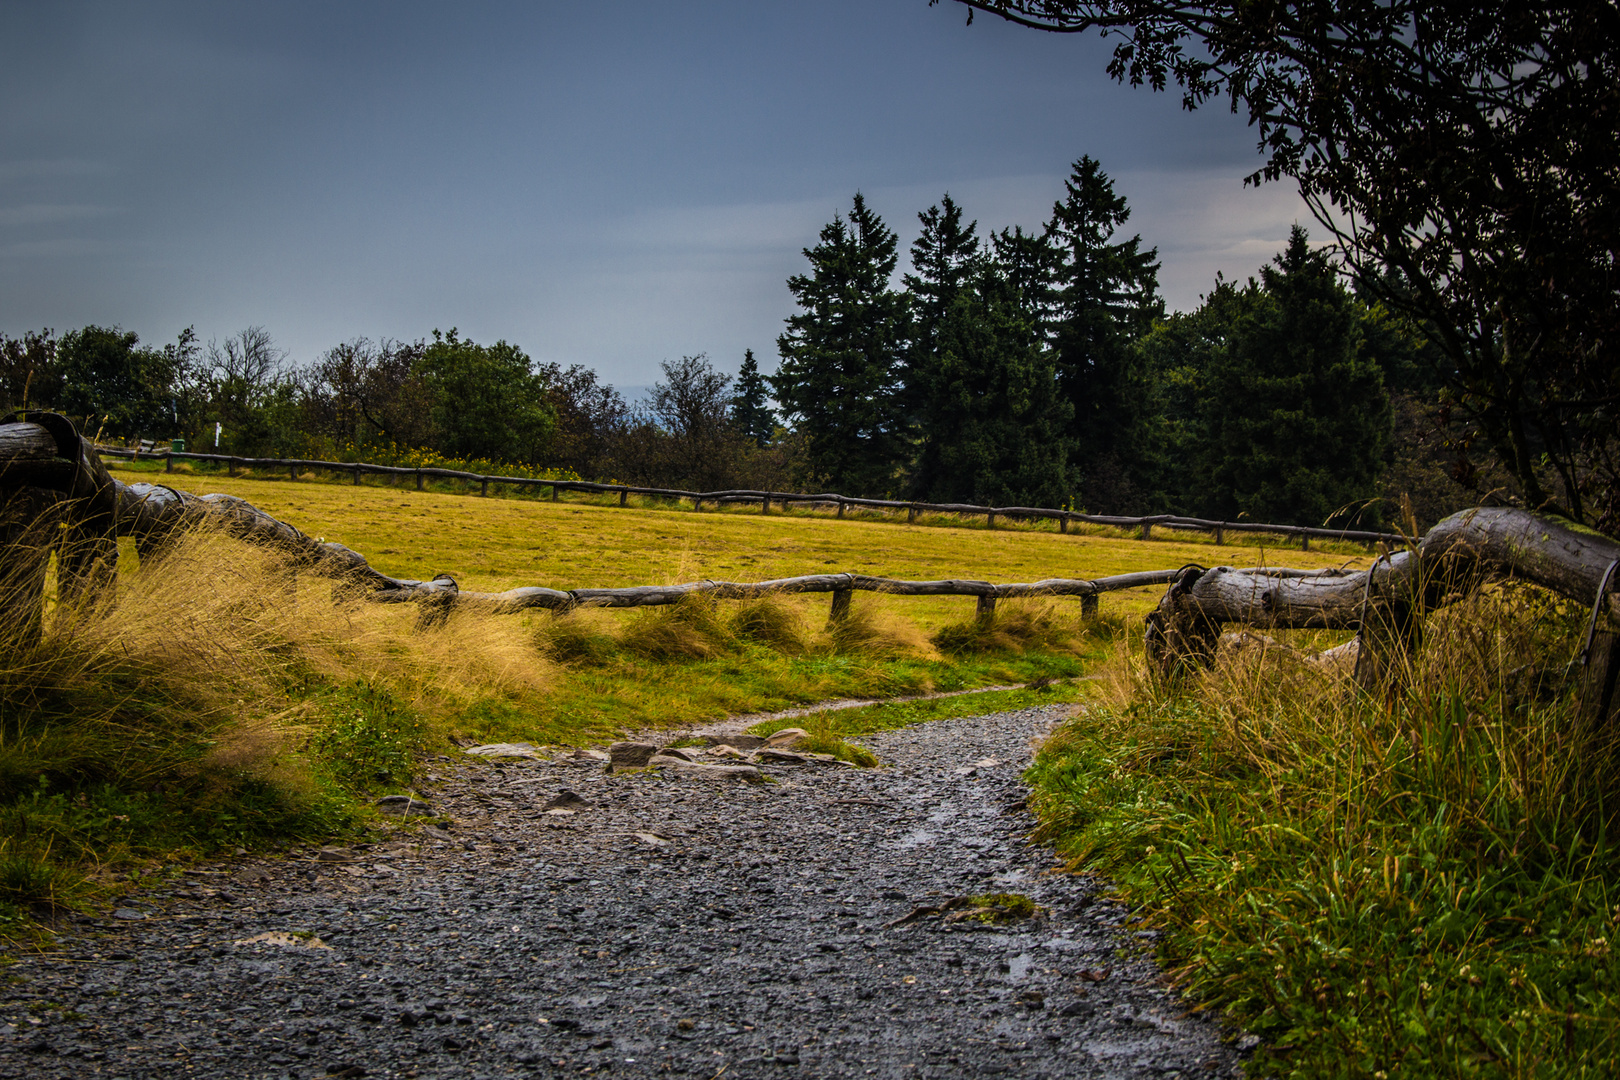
<point x="607" y="184"/>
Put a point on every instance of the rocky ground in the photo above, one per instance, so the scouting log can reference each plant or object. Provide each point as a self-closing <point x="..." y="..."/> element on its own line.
<point x="671" y="924"/>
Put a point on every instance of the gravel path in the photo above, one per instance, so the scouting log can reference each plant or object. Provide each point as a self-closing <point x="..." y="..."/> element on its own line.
<point x="673" y="926"/>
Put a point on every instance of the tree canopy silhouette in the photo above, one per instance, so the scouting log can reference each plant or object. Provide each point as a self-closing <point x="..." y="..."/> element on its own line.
<point x="1465" y="157"/>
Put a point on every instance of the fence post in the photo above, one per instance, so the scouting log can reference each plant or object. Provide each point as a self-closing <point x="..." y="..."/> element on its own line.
<point x="1063" y="524"/>
<point x="840" y="506"/>
<point x="553" y="492"/>
<point x="357" y="476"/>
<point x="765" y="504"/>
<point x="230" y="467"/>
<point x="168" y="462"/>
<point x="418" y="479"/>
<point x="1147" y="530"/>
<point x="1088" y="606"/>
<point x="624" y="495"/>
<point x="985" y="609"/>
<point x="990" y="521"/>
<point x="911" y="513"/>
<point x="292" y="471"/>
<point x="840" y="605"/>
<point x="1220" y="535"/>
<point x="483" y="488"/>
<point x="1304" y="541"/>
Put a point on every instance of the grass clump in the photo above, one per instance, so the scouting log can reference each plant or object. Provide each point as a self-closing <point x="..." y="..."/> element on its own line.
<point x="1413" y="884"/>
<point x="1013" y="628"/>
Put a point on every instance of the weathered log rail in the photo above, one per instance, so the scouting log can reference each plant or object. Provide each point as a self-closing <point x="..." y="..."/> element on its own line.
<point x="1385" y="603"/>
<point x="766" y="499"/>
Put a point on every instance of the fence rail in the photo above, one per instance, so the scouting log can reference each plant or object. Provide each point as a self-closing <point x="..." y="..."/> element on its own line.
<point x="442" y="592"/>
<point x="765" y="499"/>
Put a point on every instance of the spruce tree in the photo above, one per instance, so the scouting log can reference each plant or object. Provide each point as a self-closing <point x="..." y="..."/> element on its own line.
<point x="750" y="413"/>
<point x="1105" y="297"/>
<point x="842" y="355"/>
<point x="990" y="422"/>
<point x="1285" y="411"/>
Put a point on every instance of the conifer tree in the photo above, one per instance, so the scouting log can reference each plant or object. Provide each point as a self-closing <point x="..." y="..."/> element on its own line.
<point x="1105" y="297"/>
<point x="989" y="420"/>
<point x="750" y="413"/>
<point x="842" y="355"/>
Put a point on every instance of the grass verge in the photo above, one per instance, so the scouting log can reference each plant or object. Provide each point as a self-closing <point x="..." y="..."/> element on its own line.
<point x="1416" y="885"/>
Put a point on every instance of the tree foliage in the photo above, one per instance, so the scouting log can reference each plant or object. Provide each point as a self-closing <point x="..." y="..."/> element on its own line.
<point x="842" y="355"/>
<point x="991" y="426"/>
<point x="1103" y="295"/>
<point x="750" y="405"/>
<point x="1465" y="157"/>
<point x="488" y="402"/>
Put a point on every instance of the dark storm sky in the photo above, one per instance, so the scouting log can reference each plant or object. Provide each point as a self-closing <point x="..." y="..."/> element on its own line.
<point x="610" y="184"/>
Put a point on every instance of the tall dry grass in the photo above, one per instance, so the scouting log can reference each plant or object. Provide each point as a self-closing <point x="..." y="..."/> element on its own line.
<point x="216" y="698"/>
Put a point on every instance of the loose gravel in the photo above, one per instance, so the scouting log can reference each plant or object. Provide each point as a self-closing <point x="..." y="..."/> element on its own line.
<point x="670" y="926"/>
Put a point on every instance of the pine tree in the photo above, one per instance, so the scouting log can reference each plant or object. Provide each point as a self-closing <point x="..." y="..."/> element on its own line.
<point x="842" y="354"/>
<point x="980" y="378"/>
<point x="749" y="412"/>
<point x="1294" y="418"/>
<point x="1105" y="297"/>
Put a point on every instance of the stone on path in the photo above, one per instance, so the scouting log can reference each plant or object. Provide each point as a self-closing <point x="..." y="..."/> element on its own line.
<point x="506" y="749"/>
<point x="713" y="772"/>
<point x="404" y="806"/>
<point x="631" y="755"/>
<point x="787" y="738"/>
<point x="565" y="800"/>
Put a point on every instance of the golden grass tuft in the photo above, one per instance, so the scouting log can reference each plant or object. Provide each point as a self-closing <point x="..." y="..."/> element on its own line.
<point x="874" y="627"/>
<point x="1016" y="626"/>
<point x="693" y="629"/>
<point x="774" y="622"/>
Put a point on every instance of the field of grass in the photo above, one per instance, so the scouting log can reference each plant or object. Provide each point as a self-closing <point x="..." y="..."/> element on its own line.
<point x="222" y="702"/>
<point x="499" y="543"/>
<point x="1416" y="884"/>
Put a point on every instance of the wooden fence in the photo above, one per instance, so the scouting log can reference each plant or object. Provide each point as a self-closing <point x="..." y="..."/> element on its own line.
<point x="438" y="595"/>
<point x="765" y="499"/>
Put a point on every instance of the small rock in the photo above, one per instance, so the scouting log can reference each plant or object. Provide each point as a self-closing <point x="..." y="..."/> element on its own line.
<point x="333" y="854"/>
<point x="676" y="751"/>
<point x="787" y="738"/>
<point x="560" y="812"/>
<point x="715" y="772"/>
<point x="725" y="750"/>
<point x="505" y="749"/>
<point x="435" y="833"/>
<point x="566" y="800"/>
<point x="285" y="940"/>
<point x="585" y="757"/>
<point x="738" y="741"/>
<point x="651" y="838"/>
<point x="128" y="913"/>
<point x="780" y="757"/>
<point x="631" y="754"/>
<point x="404" y="806"/>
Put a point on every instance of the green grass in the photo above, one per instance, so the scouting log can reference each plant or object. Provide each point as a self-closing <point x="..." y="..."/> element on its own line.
<point x="1417" y="886"/>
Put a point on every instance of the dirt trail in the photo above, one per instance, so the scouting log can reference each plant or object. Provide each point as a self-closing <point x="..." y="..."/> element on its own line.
<point x="672" y="926"/>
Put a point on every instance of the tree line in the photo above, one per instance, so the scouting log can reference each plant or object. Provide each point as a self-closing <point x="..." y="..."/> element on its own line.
<point x="1014" y="367"/>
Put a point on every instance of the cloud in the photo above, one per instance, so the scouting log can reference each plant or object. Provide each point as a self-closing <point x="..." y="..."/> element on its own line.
<point x="49" y="213"/>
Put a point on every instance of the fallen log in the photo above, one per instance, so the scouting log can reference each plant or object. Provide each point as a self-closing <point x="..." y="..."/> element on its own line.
<point x="1385" y="602"/>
